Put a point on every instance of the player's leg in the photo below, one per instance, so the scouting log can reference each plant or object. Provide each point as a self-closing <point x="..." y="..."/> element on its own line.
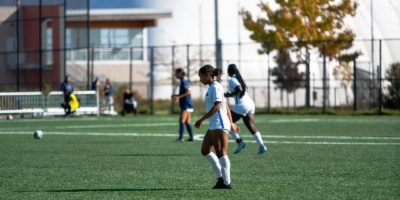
<point x="189" y="126"/>
<point x="249" y="122"/>
<point x="206" y="151"/>
<point x="182" y="119"/>
<point x="220" y="142"/>
<point x="111" y="105"/>
<point x="68" y="110"/>
<point x="134" y="108"/>
<point x="239" y="141"/>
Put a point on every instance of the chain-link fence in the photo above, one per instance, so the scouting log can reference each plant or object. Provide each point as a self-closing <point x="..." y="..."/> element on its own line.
<point x="45" y="40"/>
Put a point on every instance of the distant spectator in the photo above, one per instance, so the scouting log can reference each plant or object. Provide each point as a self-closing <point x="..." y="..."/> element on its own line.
<point x="71" y="103"/>
<point x="95" y="83"/>
<point x="108" y="94"/>
<point x="67" y="87"/>
<point x="130" y="104"/>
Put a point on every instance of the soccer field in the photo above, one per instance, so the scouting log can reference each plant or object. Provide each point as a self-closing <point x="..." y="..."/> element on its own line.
<point x="308" y="157"/>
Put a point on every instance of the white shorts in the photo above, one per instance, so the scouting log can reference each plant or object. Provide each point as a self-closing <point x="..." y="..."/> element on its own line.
<point x="188" y="110"/>
<point x="243" y="109"/>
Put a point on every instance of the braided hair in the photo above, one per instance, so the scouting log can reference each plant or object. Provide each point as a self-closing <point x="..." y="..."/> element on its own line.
<point x="233" y="70"/>
<point x="210" y="70"/>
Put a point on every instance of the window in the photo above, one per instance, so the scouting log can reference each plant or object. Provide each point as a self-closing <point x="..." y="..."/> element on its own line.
<point x="49" y="47"/>
<point x="109" y="43"/>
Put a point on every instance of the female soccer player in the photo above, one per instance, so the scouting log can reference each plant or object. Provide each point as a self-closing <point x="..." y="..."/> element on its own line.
<point x="244" y="108"/>
<point x="220" y="123"/>
<point x="186" y="104"/>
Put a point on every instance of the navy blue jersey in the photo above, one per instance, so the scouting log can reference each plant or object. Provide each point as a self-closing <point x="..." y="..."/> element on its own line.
<point x="185" y="102"/>
<point x="108" y="91"/>
<point x="67" y="87"/>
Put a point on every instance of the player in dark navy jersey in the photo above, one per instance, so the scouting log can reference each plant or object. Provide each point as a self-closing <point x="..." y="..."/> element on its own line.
<point x="185" y="103"/>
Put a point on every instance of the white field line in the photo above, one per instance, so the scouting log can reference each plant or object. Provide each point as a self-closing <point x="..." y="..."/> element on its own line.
<point x="199" y="137"/>
<point x="292" y="120"/>
<point x="100" y="126"/>
<point x="323" y="143"/>
<point x="117" y="125"/>
<point x="325" y="137"/>
<point x="241" y="135"/>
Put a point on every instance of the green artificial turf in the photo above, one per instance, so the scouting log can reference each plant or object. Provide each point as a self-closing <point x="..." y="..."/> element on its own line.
<point x="308" y="157"/>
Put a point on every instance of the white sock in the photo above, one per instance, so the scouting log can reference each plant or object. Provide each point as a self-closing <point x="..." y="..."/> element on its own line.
<point x="226" y="169"/>
<point x="257" y="137"/>
<point x="234" y="135"/>
<point x="212" y="158"/>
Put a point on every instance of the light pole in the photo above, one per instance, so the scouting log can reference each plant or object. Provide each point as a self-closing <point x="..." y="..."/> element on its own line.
<point x="218" y="42"/>
<point x="372" y="40"/>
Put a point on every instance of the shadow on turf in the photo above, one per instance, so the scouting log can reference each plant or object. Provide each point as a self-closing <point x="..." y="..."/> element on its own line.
<point x="115" y="190"/>
<point x="111" y="190"/>
<point x="156" y="155"/>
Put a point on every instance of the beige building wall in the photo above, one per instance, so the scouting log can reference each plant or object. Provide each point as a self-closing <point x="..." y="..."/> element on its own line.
<point x="117" y="72"/>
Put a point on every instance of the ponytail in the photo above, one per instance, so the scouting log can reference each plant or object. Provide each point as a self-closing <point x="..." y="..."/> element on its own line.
<point x="213" y="72"/>
<point x="232" y="69"/>
<point x="217" y="72"/>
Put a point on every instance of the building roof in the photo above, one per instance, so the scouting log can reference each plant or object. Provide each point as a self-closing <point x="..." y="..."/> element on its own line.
<point x="119" y="14"/>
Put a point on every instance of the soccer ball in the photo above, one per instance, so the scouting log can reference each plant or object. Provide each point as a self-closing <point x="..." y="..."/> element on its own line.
<point x="37" y="134"/>
<point x="10" y="117"/>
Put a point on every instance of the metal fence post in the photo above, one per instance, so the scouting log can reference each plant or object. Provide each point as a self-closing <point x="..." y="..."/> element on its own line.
<point x="17" y="2"/>
<point x="188" y="62"/>
<point x="173" y="76"/>
<point x="308" y="80"/>
<point x="152" y="80"/>
<point x="88" y="41"/>
<point x="323" y="78"/>
<point x="91" y="65"/>
<point x="269" y="79"/>
<point x="380" y="77"/>
<point x="40" y="46"/>
<point x="65" y="39"/>
<point x="355" y="83"/>
<point x="130" y="69"/>
<point x="254" y="94"/>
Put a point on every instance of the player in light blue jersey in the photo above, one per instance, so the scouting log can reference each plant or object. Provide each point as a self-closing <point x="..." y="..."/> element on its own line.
<point x="220" y="123"/>
<point x="244" y="108"/>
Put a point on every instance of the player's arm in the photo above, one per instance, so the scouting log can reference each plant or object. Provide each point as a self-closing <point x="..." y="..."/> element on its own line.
<point x="187" y="93"/>
<point x="238" y="89"/>
<point x="235" y="128"/>
<point x="214" y="109"/>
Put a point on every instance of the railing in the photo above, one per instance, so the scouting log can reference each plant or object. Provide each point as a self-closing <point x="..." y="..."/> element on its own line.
<point x="37" y="104"/>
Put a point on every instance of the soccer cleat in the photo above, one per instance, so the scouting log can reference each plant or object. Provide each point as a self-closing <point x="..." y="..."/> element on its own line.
<point x="262" y="149"/>
<point x="179" y="140"/>
<point x="190" y="140"/>
<point x="220" y="184"/>
<point x="228" y="186"/>
<point x="241" y="146"/>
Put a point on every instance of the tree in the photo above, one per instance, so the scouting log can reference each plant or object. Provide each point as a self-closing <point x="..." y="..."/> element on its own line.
<point x="287" y="74"/>
<point x="302" y="25"/>
<point x="344" y="71"/>
<point x="392" y="99"/>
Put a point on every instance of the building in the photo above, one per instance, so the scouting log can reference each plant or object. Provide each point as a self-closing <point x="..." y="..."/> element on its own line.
<point x="117" y="43"/>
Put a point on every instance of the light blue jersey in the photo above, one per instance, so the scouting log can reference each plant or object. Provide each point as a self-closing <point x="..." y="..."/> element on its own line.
<point x="220" y="119"/>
